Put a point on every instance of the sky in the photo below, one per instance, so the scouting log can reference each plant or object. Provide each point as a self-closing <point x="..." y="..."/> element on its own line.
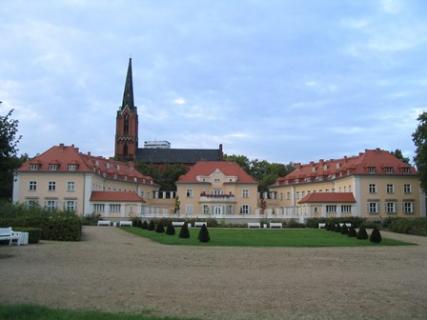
<point x="276" y="80"/>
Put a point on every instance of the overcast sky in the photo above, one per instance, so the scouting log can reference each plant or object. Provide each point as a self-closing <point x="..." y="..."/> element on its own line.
<point x="276" y="80"/>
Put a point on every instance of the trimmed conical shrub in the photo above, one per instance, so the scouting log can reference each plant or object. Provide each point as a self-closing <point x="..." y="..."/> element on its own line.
<point x="352" y="232"/>
<point x="375" y="236"/>
<point x="170" y="229"/>
<point x="184" y="232"/>
<point x="328" y="226"/>
<point x="337" y="228"/>
<point x="144" y="225"/>
<point x="151" y="226"/>
<point x="160" y="228"/>
<point x="362" y="234"/>
<point x="204" y="234"/>
<point x="344" y="229"/>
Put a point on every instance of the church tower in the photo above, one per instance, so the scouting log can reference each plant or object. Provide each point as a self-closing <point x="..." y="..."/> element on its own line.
<point x="126" y="144"/>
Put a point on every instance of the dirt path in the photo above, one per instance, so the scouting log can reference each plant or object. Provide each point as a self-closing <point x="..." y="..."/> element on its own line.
<point x="114" y="270"/>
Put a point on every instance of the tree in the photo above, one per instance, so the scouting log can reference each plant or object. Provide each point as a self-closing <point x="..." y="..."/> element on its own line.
<point x="420" y="140"/>
<point x="241" y="160"/>
<point x="375" y="236"/>
<point x="9" y="161"/>
<point x="399" y="155"/>
<point x="177" y="204"/>
<point x="204" y="234"/>
<point x="184" y="233"/>
<point x="362" y="234"/>
<point x="165" y="175"/>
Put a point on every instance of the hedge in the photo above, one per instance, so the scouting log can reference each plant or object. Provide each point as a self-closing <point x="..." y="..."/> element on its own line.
<point x="314" y="222"/>
<point x="416" y="226"/>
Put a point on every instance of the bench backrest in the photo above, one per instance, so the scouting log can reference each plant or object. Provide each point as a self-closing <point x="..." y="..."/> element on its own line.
<point x="5" y="231"/>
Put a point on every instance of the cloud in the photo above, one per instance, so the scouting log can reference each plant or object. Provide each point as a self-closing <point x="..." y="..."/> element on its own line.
<point x="180" y="101"/>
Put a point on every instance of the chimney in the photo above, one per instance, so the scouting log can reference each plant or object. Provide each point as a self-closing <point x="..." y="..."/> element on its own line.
<point x="61" y="145"/>
<point x="89" y="154"/>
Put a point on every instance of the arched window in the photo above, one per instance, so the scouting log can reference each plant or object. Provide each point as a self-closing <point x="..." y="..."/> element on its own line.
<point x="125" y="150"/>
<point x="126" y="125"/>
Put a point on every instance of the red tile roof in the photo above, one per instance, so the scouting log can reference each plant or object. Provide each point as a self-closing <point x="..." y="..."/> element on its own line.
<point x="113" y="196"/>
<point x="63" y="156"/>
<point x="373" y="162"/>
<point x="205" y="168"/>
<point x="327" y="197"/>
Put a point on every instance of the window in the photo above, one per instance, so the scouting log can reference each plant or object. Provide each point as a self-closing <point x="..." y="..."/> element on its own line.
<point x="372" y="170"/>
<point x="349" y="188"/>
<point x="72" y="167"/>
<point x="205" y="209"/>
<point x="407" y="188"/>
<point x="218" y="192"/>
<point x="406" y="170"/>
<point x="345" y="188"/>
<point x="51" y="185"/>
<point x="390" y="207"/>
<point x="288" y="195"/>
<point x="99" y="207"/>
<point x="51" y="205"/>
<point x="389" y="170"/>
<point x="244" y="209"/>
<point x="115" y="208"/>
<point x="217" y="180"/>
<point x="32" y="203"/>
<point x="245" y="193"/>
<point x="373" y="207"/>
<point x="189" y="209"/>
<point x="70" y="205"/>
<point x="372" y="188"/>
<point x="330" y="208"/>
<point x="71" y="187"/>
<point x="281" y="195"/>
<point x="32" y="186"/>
<point x="408" y="207"/>
<point x="189" y="193"/>
<point x="346" y="208"/>
<point x="297" y="195"/>
<point x="142" y="193"/>
<point x="390" y="188"/>
<point x="52" y="167"/>
<point x="34" y="167"/>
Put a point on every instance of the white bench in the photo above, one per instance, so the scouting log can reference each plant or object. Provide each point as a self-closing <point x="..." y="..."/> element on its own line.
<point x="178" y="223"/>
<point x="104" y="223"/>
<point x="125" y="223"/>
<point x="200" y="224"/>
<point x="322" y="225"/>
<point x="276" y="225"/>
<point x="348" y="224"/>
<point x="9" y="235"/>
<point x="254" y="225"/>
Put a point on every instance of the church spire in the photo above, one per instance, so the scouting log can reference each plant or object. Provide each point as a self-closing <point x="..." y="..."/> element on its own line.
<point x="128" y="93"/>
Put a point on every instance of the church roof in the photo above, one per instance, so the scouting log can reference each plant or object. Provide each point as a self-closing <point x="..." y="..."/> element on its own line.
<point x="184" y="156"/>
<point x="128" y="92"/>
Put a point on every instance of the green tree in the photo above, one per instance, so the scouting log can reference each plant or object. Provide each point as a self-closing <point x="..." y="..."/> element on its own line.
<point x="165" y="175"/>
<point x="241" y="160"/>
<point x="420" y="140"/>
<point x="9" y="160"/>
<point x="399" y="155"/>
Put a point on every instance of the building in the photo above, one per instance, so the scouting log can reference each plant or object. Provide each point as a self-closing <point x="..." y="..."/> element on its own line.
<point x="66" y="179"/>
<point x="126" y="139"/>
<point x="373" y="184"/>
<point x="217" y="189"/>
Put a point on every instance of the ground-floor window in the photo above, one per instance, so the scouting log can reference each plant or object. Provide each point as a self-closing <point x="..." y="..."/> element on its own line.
<point x="99" y="208"/>
<point x="408" y="207"/>
<point x="70" y="205"/>
<point x="390" y="207"/>
<point x="115" y="208"/>
<point x="205" y="209"/>
<point x="51" y="205"/>
<point x="331" y="208"/>
<point x="189" y="209"/>
<point x="32" y="203"/>
<point x="244" y="209"/>
<point x="373" y="207"/>
<point x="346" y="208"/>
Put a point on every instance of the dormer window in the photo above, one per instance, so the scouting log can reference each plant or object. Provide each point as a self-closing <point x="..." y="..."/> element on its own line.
<point x="72" y="167"/>
<point x="53" y="167"/>
<point x="325" y="167"/>
<point x="313" y="169"/>
<point x="107" y="165"/>
<point x="406" y="170"/>
<point x="338" y="165"/>
<point x="372" y="170"/>
<point x="34" y="167"/>
<point x="389" y="170"/>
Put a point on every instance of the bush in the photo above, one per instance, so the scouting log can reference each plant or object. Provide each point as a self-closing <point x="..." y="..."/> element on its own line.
<point x="416" y="226"/>
<point x="170" y="229"/>
<point x="337" y="228"/>
<point x="151" y="226"/>
<point x="204" y="234"/>
<point x="362" y="234"/>
<point x="372" y="224"/>
<point x="344" y="229"/>
<point x="294" y="224"/>
<point x="136" y="222"/>
<point x="352" y="232"/>
<point x="314" y="222"/>
<point x="34" y="234"/>
<point x="375" y="236"/>
<point x="90" y="220"/>
<point x="184" y="233"/>
<point x="160" y="228"/>
<point x="144" y="225"/>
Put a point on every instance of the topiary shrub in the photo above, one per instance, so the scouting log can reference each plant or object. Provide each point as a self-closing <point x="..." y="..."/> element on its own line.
<point x="352" y="232"/>
<point x="170" y="229"/>
<point x="160" y="228"/>
<point x="362" y="234"/>
<point x="144" y="225"/>
<point x="151" y="226"/>
<point x="204" y="234"/>
<point x="337" y="227"/>
<point x="375" y="236"/>
<point x="344" y="229"/>
<point x="184" y="233"/>
<point x="136" y="222"/>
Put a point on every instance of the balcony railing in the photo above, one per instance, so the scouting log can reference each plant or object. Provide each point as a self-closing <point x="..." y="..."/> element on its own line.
<point x="208" y="197"/>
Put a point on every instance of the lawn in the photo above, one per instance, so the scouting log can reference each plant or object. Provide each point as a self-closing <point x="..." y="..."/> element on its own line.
<point x="32" y="312"/>
<point x="264" y="238"/>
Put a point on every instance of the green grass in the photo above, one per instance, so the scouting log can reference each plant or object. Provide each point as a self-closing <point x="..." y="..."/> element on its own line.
<point x="264" y="238"/>
<point x="32" y="312"/>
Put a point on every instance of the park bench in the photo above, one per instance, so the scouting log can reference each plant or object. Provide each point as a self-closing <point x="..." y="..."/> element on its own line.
<point x="9" y="235"/>
<point x="104" y="223"/>
<point x="276" y="225"/>
<point x="200" y="223"/>
<point x="348" y="224"/>
<point x="125" y="223"/>
<point x="254" y="225"/>
<point x="178" y="223"/>
<point x="322" y="225"/>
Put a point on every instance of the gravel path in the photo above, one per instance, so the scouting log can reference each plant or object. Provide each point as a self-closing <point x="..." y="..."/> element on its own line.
<point x="116" y="271"/>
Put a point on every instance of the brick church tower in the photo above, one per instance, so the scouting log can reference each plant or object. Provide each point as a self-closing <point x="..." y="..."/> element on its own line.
<point x="126" y="143"/>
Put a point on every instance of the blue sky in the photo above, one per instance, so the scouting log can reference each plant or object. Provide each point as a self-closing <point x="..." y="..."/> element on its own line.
<point x="276" y="80"/>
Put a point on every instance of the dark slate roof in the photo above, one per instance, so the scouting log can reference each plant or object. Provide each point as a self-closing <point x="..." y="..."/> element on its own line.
<point x="128" y="92"/>
<point x="184" y="156"/>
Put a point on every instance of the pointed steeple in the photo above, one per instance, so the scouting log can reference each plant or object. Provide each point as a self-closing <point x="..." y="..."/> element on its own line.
<point x="128" y="93"/>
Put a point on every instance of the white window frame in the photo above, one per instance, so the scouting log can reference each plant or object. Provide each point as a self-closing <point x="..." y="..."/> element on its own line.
<point x="51" y="186"/>
<point x="32" y="186"/>
<point x="115" y="207"/>
<point x="205" y="209"/>
<point x="189" y="193"/>
<point x="70" y="205"/>
<point x="407" y="188"/>
<point x="390" y="207"/>
<point x="408" y="207"/>
<point x="53" y="167"/>
<point x="51" y="204"/>
<point x="34" y="167"/>
<point x="245" y="193"/>
<point x="72" y="167"/>
<point x="331" y="208"/>
<point x="99" y="207"/>
<point x="346" y="208"/>
<point x="244" y="209"/>
<point x="189" y="209"/>
<point x="372" y="188"/>
<point x="71" y="186"/>
<point x="373" y="207"/>
<point x="390" y="188"/>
